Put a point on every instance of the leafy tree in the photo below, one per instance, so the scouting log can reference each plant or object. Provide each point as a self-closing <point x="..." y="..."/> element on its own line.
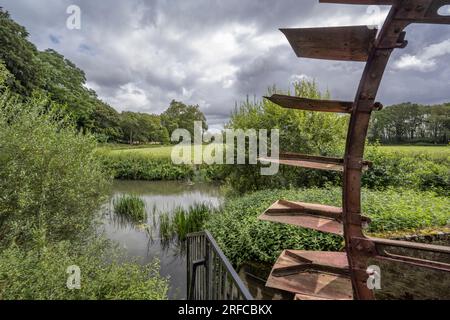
<point x="410" y="123"/>
<point x="106" y="123"/>
<point x="438" y="122"/>
<point x="19" y="55"/>
<point x="130" y="126"/>
<point x="149" y="125"/>
<point x="163" y="135"/>
<point x="65" y="83"/>
<point x="182" y="116"/>
<point x="143" y="128"/>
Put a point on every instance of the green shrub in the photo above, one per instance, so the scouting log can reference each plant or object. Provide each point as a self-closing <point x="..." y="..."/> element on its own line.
<point x="244" y="238"/>
<point x="41" y="274"/>
<point x="51" y="183"/>
<point x="300" y="131"/>
<point x="130" y="206"/>
<point x="418" y="170"/>
<point x="52" y="186"/>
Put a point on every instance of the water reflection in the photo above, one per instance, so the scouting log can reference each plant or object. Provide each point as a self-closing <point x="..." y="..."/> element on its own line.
<point x="143" y="241"/>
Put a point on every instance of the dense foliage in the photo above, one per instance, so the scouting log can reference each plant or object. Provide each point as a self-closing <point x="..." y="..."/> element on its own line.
<point x="135" y="166"/>
<point x="50" y="181"/>
<point x="5" y="76"/>
<point x="41" y="274"/>
<point x="19" y="55"/>
<point x="300" y="132"/>
<point x="244" y="238"/>
<point x="411" y="123"/>
<point x="423" y="170"/>
<point x="51" y="188"/>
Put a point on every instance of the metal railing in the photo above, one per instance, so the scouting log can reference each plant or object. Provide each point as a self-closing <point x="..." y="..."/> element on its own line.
<point x="210" y="276"/>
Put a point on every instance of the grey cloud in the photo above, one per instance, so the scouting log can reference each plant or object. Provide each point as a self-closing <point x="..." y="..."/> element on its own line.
<point x="139" y="55"/>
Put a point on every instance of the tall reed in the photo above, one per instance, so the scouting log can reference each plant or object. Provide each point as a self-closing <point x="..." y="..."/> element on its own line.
<point x="183" y="221"/>
<point x="130" y="206"/>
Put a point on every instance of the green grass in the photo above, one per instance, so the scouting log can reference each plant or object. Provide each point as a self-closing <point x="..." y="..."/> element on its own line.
<point x="164" y="152"/>
<point x="157" y="152"/>
<point x="130" y="206"/>
<point x="149" y="151"/>
<point x="431" y="151"/>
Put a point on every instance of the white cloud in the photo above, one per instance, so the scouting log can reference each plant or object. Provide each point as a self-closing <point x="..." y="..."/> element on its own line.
<point x="425" y="61"/>
<point x="300" y="77"/>
<point x="143" y="54"/>
<point x="130" y="97"/>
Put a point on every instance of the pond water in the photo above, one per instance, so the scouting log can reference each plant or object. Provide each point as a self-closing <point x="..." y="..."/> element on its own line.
<point x="145" y="245"/>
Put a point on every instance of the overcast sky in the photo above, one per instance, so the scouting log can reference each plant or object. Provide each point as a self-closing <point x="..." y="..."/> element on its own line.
<point x="140" y="54"/>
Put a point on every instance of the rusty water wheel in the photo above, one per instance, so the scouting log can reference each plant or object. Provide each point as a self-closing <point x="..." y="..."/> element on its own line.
<point x="331" y="275"/>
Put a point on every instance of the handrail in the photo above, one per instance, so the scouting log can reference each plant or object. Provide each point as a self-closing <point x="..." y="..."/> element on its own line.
<point x="218" y="280"/>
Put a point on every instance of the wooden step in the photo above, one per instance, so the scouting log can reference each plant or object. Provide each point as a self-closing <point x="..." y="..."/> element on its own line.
<point x="291" y="102"/>
<point x="332" y="43"/>
<point x="312" y="275"/>
<point x="311" y="162"/>
<point x="307" y="215"/>
<point x="305" y="297"/>
<point x="311" y="216"/>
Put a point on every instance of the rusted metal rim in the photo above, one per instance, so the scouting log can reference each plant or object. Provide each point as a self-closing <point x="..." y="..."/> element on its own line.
<point x="359" y="248"/>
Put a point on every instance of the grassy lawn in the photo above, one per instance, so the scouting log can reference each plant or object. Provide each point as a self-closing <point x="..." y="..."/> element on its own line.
<point x="433" y="151"/>
<point x="159" y="152"/>
<point x="147" y="151"/>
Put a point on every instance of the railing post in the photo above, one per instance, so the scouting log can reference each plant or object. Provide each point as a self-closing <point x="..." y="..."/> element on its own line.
<point x="207" y="270"/>
<point x="218" y="276"/>
<point x="193" y="281"/>
<point x="188" y="267"/>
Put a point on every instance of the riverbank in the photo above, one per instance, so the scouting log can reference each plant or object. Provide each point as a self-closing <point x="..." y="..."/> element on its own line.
<point x="245" y="240"/>
<point x="419" y="168"/>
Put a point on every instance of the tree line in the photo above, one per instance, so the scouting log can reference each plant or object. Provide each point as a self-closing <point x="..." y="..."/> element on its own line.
<point x="26" y="72"/>
<point x="411" y="123"/>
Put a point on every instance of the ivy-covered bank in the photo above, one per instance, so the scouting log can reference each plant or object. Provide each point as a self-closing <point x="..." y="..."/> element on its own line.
<point x="394" y="211"/>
